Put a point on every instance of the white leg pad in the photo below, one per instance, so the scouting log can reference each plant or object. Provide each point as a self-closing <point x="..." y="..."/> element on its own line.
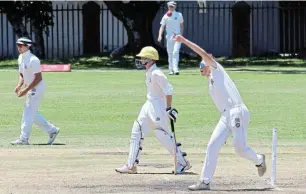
<point x="166" y="140"/>
<point x="135" y="145"/>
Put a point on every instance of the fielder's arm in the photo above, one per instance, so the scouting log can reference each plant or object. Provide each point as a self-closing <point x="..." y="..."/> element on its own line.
<point x="181" y="24"/>
<point x="182" y="28"/>
<point x="20" y="81"/>
<point x="209" y="60"/>
<point x="162" y="28"/>
<point x="160" y="33"/>
<point x="37" y="75"/>
<point x="37" y="79"/>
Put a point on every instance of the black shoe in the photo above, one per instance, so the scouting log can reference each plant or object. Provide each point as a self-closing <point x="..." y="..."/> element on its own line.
<point x="177" y="73"/>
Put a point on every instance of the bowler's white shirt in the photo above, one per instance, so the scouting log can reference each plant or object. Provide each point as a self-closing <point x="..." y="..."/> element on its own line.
<point x="28" y="65"/>
<point x="173" y="23"/>
<point x="222" y="89"/>
<point x="157" y="84"/>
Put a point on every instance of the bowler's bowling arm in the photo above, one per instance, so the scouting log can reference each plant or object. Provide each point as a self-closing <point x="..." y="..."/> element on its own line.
<point x="205" y="56"/>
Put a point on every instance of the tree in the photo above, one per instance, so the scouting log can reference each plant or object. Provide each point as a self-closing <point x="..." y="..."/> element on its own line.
<point x="137" y="18"/>
<point x="38" y="13"/>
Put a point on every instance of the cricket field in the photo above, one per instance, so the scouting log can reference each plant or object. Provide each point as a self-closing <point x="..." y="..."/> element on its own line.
<point x="95" y="111"/>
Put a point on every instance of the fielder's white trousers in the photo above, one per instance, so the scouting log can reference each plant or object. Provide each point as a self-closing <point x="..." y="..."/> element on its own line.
<point x="31" y="115"/>
<point x="173" y="49"/>
<point x="232" y="122"/>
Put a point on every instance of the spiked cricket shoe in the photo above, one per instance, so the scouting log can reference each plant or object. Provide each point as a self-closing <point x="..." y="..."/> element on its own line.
<point x="200" y="185"/>
<point x="52" y="136"/>
<point x="126" y="170"/>
<point x="20" y="142"/>
<point x="182" y="168"/>
<point x="262" y="168"/>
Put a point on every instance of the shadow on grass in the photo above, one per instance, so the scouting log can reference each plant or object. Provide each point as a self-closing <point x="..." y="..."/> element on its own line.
<point x="270" y="71"/>
<point x="54" y="144"/>
<point x="240" y="190"/>
<point x="169" y="173"/>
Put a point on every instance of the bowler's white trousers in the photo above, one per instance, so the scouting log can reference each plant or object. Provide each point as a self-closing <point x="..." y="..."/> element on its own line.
<point x="173" y="49"/>
<point x="31" y="115"/>
<point x="233" y="121"/>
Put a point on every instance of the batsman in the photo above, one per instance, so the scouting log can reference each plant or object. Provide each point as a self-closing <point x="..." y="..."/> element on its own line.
<point x="154" y="114"/>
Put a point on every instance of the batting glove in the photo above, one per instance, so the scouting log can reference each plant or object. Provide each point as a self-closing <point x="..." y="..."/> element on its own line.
<point x="172" y="113"/>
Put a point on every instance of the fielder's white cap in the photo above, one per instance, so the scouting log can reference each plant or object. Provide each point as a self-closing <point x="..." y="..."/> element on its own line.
<point x="171" y="3"/>
<point x="24" y="41"/>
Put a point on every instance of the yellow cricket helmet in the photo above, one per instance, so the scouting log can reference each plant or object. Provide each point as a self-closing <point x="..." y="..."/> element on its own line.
<point x="149" y="52"/>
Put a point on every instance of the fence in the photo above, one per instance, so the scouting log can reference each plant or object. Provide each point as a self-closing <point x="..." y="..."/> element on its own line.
<point x="274" y="27"/>
<point x="66" y="37"/>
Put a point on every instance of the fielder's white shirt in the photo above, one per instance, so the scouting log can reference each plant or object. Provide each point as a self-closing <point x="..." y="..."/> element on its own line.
<point x="173" y="23"/>
<point x="222" y="89"/>
<point x="28" y="65"/>
<point x="157" y="84"/>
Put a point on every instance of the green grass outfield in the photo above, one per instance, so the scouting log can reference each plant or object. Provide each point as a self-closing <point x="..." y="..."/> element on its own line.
<point x="97" y="109"/>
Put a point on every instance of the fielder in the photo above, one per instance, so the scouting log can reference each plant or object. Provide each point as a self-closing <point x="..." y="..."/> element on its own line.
<point x="234" y="117"/>
<point x="174" y="23"/>
<point x="155" y="114"/>
<point x="34" y="87"/>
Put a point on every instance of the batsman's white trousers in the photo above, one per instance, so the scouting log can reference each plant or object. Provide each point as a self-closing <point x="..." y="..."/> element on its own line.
<point x="233" y="122"/>
<point x="31" y="115"/>
<point x="173" y="49"/>
<point x="153" y="115"/>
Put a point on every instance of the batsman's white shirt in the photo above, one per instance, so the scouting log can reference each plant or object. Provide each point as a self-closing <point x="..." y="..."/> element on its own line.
<point x="222" y="89"/>
<point x="157" y="84"/>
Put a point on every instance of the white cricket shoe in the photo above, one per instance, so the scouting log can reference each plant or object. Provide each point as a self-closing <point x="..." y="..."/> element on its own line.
<point x="52" y="136"/>
<point x="262" y="168"/>
<point x="171" y="73"/>
<point x="182" y="168"/>
<point x="125" y="169"/>
<point x="20" y="142"/>
<point x="200" y="185"/>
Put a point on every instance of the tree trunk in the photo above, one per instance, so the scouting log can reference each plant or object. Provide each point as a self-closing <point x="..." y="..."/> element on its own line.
<point x="18" y="26"/>
<point x="137" y="18"/>
<point x="38" y="47"/>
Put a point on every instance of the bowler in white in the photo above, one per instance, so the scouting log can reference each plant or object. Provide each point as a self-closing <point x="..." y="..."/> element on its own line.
<point x="174" y="23"/>
<point x="30" y="77"/>
<point x="234" y="118"/>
